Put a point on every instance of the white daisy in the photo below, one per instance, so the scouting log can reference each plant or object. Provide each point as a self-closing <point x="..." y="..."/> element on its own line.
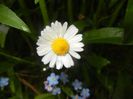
<point x="58" y="43"/>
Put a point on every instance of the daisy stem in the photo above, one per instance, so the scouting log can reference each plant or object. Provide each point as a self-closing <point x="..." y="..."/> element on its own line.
<point x="43" y="8"/>
<point x="69" y="10"/>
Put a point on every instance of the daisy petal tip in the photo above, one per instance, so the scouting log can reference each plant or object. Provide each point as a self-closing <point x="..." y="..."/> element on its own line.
<point x="58" y="68"/>
<point x="65" y="23"/>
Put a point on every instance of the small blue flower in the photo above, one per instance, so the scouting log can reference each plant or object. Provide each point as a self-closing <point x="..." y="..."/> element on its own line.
<point x="85" y="92"/>
<point x="56" y="91"/>
<point x="47" y="86"/>
<point x="53" y="79"/>
<point x="77" y="85"/>
<point x="77" y="97"/>
<point x="4" y="81"/>
<point x="64" y="78"/>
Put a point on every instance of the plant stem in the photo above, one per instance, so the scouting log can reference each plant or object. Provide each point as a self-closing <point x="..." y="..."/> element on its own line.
<point x="29" y="85"/>
<point x="69" y="10"/>
<point x="44" y="11"/>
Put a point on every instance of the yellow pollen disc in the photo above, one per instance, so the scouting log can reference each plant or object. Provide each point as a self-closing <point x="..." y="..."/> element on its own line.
<point x="60" y="46"/>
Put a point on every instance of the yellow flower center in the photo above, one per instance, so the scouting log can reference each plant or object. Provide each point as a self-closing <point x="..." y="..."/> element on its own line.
<point x="60" y="46"/>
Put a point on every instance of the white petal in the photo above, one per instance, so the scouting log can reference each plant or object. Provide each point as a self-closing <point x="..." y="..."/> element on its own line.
<point x="76" y="38"/>
<point x="75" y="45"/>
<point x="56" y="28"/>
<point x="64" y="28"/>
<point x="74" y="54"/>
<point x="59" y="29"/>
<point x="53" y="61"/>
<point x="42" y="32"/>
<point x="59" y="64"/>
<point x="78" y="49"/>
<point x="71" y="60"/>
<point x="43" y="50"/>
<point x="46" y="59"/>
<point x="71" y="31"/>
<point x="66" y="61"/>
<point x="42" y="41"/>
<point x="47" y="38"/>
<point x="50" y="32"/>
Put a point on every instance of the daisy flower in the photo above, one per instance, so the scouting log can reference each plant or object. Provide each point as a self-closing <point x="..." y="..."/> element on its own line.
<point x="58" y="43"/>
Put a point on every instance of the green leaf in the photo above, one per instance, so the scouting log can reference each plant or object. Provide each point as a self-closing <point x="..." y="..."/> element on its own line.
<point x="123" y="87"/>
<point x="81" y="24"/>
<point x="106" y="81"/>
<point x="36" y="1"/>
<point x="3" y="32"/>
<point x="5" y="66"/>
<point x="14" y="97"/>
<point x="8" y="17"/>
<point x="97" y="61"/>
<point x="112" y="2"/>
<point x="68" y="91"/>
<point x="45" y="96"/>
<point x="104" y="35"/>
<point x="128" y="22"/>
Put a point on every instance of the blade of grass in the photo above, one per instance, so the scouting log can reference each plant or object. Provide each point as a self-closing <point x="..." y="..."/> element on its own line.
<point x="8" y="17"/>
<point x="43" y="8"/>
<point x="16" y="58"/>
<point x="26" y="13"/>
<point x="128" y="22"/>
<point x="69" y="10"/>
<point x="116" y="13"/>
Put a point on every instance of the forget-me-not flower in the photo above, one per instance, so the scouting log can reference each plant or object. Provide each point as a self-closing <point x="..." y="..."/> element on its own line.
<point x="53" y="79"/>
<point x="64" y="78"/>
<point x="77" y="97"/>
<point x="47" y="86"/>
<point x="56" y="91"/>
<point x="85" y="92"/>
<point x="77" y="85"/>
<point x="4" y="81"/>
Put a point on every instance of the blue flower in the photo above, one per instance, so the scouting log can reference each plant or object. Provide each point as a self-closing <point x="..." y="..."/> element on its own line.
<point x="56" y="91"/>
<point x="53" y="79"/>
<point x="4" y="81"/>
<point x="64" y="78"/>
<point x="77" y="85"/>
<point x="77" y="97"/>
<point x="85" y="92"/>
<point x="47" y="86"/>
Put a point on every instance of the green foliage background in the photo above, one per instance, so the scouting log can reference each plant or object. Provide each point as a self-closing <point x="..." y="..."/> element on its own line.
<point x="107" y="62"/>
